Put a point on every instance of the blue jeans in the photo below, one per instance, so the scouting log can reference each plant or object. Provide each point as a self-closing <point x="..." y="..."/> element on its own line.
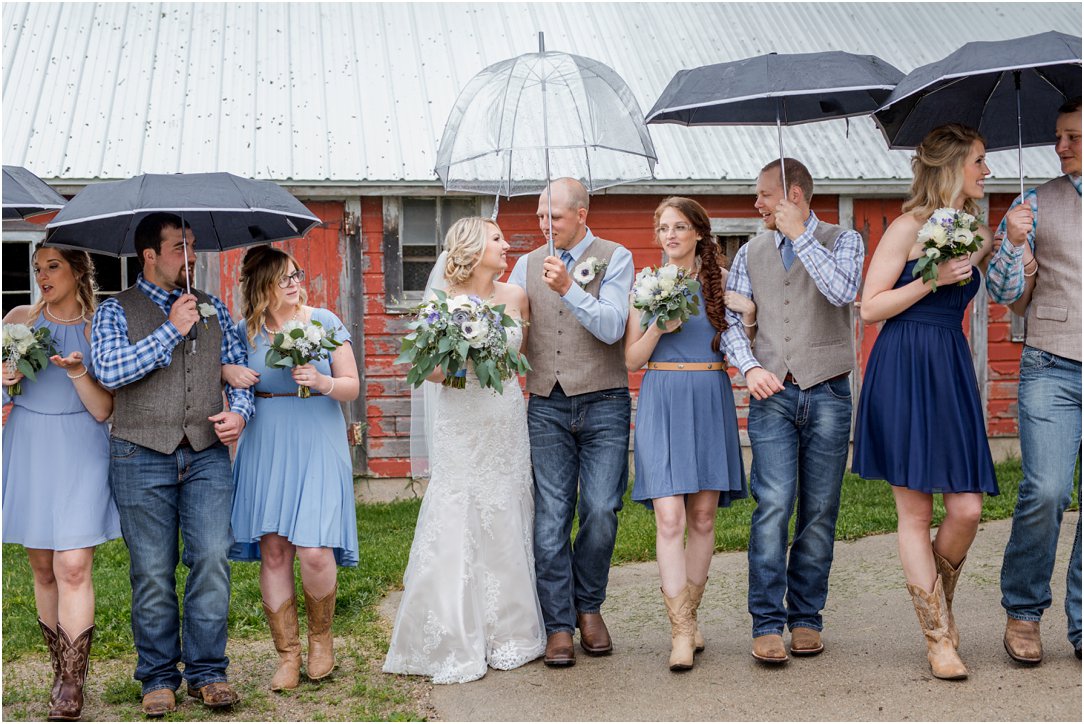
<point x="577" y="443"/>
<point x="1049" y="404"/>
<point x="156" y="495"/>
<point x="800" y="441"/>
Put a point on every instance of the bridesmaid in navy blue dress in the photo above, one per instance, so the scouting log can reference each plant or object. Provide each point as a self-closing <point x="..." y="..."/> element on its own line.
<point x="687" y="451"/>
<point x="920" y="424"/>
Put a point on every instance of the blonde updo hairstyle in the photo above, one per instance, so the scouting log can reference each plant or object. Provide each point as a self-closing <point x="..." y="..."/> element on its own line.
<point x="261" y="271"/>
<point x="86" y="285"/>
<point x="464" y="244"/>
<point x="938" y="166"/>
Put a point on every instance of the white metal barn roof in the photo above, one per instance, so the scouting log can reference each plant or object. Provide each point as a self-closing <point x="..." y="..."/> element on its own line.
<point x="357" y="94"/>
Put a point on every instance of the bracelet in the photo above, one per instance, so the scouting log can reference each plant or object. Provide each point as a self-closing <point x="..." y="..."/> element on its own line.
<point x="748" y="326"/>
<point x="1033" y="272"/>
<point x="330" y="388"/>
<point x="82" y="374"/>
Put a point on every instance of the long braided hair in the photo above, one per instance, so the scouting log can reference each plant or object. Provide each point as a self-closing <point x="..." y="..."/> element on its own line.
<point x="708" y="252"/>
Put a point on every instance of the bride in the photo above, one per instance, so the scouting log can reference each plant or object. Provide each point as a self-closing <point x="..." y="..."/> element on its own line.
<point x="469" y="598"/>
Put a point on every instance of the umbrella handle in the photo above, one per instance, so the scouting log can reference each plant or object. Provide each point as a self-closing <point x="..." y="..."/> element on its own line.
<point x="779" y="133"/>
<point x="1019" y="134"/>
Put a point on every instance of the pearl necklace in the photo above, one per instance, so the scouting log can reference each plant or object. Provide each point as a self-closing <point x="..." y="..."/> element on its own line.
<point x="61" y="319"/>
<point x="291" y="319"/>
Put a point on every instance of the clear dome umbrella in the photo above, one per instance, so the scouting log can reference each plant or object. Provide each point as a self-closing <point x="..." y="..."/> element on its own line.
<point x="524" y="121"/>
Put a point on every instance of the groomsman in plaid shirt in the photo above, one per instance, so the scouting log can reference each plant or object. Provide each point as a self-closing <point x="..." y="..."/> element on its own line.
<point x="169" y="464"/>
<point x="1036" y="271"/>
<point x="803" y="275"/>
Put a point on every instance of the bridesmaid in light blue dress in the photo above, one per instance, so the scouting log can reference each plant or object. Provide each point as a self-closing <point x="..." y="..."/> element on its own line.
<point x="295" y="486"/>
<point x="687" y="449"/>
<point x="56" y="497"/>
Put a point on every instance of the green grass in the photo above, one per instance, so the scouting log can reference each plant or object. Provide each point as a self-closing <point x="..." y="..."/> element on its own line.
<point x="385" y="535"/>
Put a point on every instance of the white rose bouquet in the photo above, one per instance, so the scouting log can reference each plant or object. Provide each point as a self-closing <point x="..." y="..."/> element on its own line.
<point x="448" y="332"/>
<point x="665" y="293"/>
<point x="26" y="350"/>
<point x="299" y="344"/>
<point x="947" y="235"/>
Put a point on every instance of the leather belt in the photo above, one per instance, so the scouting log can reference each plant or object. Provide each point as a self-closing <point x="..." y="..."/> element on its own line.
<point x="269" y="395"/>
<point x="790" y="378"/>
<point x="685" y="366"/>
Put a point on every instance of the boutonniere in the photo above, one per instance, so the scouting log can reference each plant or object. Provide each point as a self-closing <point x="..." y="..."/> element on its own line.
<point x="207" y="310"/>
<point x="586" y="271"/>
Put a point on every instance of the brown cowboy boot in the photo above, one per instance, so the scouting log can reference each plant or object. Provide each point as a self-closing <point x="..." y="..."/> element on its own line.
<point x="949" y="577"/>
<point x="320" y="612"/>
<point x="945" y="663"/>
<point x="696" y="595"/>
<point x="74" y="662"/>
<point x="682" y="630"/>
<point x="286" y="635"/>
<point x="52" y="642"/>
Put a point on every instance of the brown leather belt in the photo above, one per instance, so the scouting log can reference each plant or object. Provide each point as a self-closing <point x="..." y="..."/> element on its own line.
<point x="685" y="366"/>
<point x="790" y="378"/>
<point x="268" y="395"/>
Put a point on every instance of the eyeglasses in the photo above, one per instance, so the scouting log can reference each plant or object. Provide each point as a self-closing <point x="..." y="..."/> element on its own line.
<point x="298" y="276"/>
<point x="678" y="229"/>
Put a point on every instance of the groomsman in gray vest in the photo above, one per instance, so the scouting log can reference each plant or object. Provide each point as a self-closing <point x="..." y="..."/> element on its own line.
<point x="803" y="275"/>
<point x="578" y="415"/>
<point x="169" y="464"/>
<point x="1040" y="279"/>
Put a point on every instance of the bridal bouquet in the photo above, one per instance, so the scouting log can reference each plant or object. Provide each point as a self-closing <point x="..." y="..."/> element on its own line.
<point x="26" y="350"/>
<point x="448" y="332"/>
<point x="947" y="235"/>
<point x="664" y="293"/>
<point x="299" y="344"/>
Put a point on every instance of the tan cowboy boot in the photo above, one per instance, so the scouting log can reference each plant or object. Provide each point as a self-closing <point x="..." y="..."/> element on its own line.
<point x="285" y="634"/>
<point x="682" y="630"/>
<point x="52" y="641"/>
<point x="74" y="662"/>
<point x="696" y="595"/>
<point x="945" y="663"/>
<point x="949" y="577"/>
<point x="320" y="613"/>
<point x="1022" y="641"/>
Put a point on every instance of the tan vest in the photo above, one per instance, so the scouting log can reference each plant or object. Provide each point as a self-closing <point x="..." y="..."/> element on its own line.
<point x="559" y="348"/>
<point x="172" y="402"/>
<point x="798" y="329"/>
<point x="1054" y="311"/>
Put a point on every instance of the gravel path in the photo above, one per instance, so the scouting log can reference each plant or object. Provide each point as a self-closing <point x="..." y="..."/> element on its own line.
<point x="873" y="668"/>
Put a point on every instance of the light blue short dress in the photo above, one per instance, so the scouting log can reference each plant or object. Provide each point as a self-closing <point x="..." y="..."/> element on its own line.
<point x="293" y="472"/>
<point x="56" y="459"/>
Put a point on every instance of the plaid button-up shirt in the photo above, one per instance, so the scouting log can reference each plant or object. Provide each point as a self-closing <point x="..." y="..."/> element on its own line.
<point x="1005" y="277"/>
<point x="118" y="363"/>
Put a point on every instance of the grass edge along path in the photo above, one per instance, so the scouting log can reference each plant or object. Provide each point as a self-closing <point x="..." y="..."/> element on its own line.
<point x="385" y="533"/>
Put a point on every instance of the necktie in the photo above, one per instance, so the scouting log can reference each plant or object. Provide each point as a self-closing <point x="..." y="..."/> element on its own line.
<point x="567" y="259"/>
<point x="787" y="252"/>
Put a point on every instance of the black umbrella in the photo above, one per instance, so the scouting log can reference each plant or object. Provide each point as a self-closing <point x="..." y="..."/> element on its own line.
<point x="776" y="90"/>
<point x="1009" y="90"/>
<point x="224" y="211"/>
<point x="27" y="195"/>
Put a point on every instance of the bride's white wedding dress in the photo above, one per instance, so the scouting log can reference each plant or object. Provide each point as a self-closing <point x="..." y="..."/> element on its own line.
<point x="469" y="596"/>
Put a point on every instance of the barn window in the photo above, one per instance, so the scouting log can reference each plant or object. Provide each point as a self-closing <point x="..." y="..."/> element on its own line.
<point x="414" y="230"/>
<point x="732" y="234"/>
<point x="112" y="274"/>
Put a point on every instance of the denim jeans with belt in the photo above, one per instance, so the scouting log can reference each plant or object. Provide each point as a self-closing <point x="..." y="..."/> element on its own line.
<point x="579" y="448"/>
<point x="157" y="496"/>
<point x="800" y="442"/>
<point x="1049" y="404"/>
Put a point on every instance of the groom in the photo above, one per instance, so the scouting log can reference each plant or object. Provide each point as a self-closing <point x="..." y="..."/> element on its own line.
<point x="578" y="415"/>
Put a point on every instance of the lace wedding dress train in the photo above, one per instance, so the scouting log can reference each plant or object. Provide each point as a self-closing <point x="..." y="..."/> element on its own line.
<point x="469" y="598"/>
